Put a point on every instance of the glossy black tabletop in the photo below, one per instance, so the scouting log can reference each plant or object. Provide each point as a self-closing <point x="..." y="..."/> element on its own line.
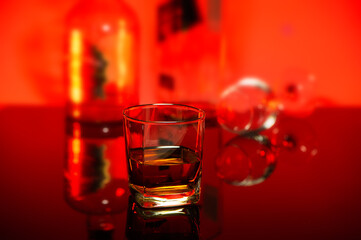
<point x="306" y="196"/>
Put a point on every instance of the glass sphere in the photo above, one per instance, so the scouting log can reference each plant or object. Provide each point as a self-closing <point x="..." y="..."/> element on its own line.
<point x="247" y="106"/>
<point x="246" y="161"/>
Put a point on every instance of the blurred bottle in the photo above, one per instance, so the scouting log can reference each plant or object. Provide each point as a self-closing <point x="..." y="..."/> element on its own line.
<point x="188" y="53"/>
<point x="101" y="64"/>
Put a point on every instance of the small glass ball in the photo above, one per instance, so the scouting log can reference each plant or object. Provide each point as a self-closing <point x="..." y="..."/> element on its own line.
<point x="247" y="106"/>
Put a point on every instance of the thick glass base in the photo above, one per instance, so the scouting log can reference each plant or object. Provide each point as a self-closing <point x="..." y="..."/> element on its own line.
<point x="181" y="222"/>
<point x="169" y="196"/>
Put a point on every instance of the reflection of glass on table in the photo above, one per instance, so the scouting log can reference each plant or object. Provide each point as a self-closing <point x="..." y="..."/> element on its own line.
<point x="163" y="223"/>
<point x="246" y="161"/>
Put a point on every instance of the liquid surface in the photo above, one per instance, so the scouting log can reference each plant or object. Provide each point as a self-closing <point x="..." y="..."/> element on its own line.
<point x="165" y="170"/>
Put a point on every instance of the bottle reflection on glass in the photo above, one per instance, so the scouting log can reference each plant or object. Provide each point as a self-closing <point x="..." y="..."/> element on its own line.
<point x="95" y="172"/>
<point x="250" y="159"/>
<point x="162" y="223"/>
<point x="246" y="161"/>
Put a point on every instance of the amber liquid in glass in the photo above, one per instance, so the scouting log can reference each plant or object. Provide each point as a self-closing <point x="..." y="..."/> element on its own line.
<point x="164" y="175"/>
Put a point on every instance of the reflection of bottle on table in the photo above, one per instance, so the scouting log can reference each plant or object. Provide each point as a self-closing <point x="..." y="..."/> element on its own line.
<point x="246" y="161"/>
<point x="95" y="172"/>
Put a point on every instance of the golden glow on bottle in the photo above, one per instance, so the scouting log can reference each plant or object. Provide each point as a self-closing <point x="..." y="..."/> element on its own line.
<point x="75" y="66"/>
<point x="125" y="56"/>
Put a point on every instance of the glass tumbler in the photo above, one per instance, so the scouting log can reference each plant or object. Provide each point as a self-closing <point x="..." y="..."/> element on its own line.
<point x="164" y="144"/>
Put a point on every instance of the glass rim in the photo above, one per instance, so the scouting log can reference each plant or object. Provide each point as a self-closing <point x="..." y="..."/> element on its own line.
<point x="202" y="117"/>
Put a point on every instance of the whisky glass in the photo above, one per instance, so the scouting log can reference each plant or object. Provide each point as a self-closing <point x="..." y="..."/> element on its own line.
<point x="164" y="144"/>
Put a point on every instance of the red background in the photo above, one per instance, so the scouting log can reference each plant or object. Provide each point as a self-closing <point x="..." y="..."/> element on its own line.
<point x="319" y="200"/>
<point x="261" y="38"/>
